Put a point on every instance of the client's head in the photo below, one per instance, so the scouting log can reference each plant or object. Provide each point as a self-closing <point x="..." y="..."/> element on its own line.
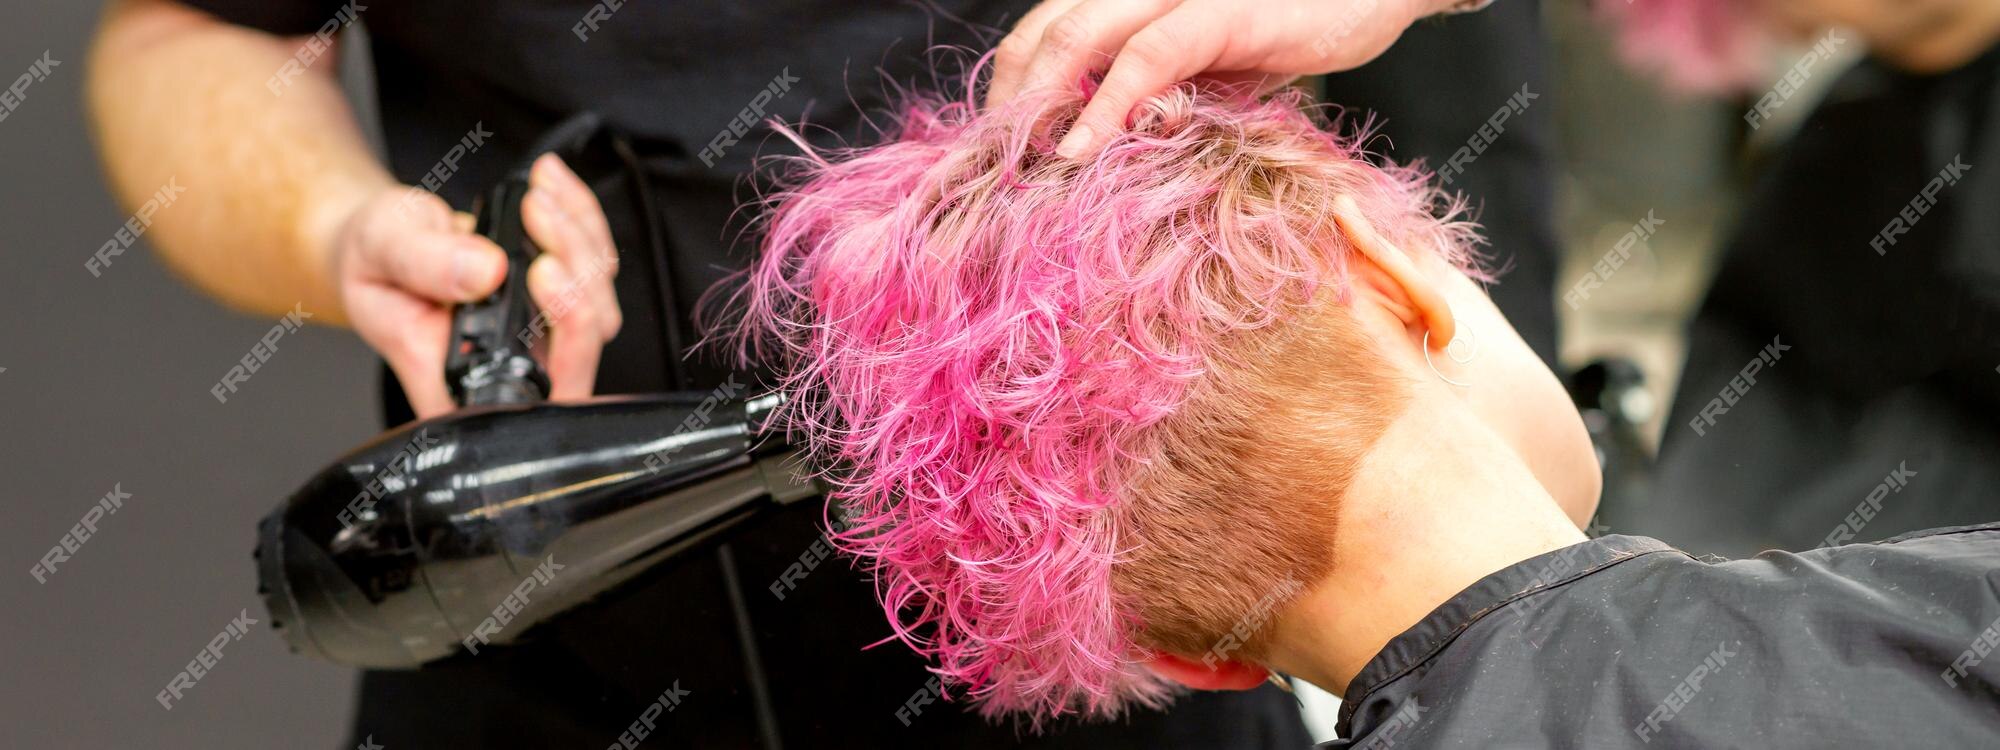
<point x="1087" y="418"/>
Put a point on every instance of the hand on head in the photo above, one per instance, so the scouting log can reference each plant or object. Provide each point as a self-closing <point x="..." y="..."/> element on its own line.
<point x="1143" y="47"/>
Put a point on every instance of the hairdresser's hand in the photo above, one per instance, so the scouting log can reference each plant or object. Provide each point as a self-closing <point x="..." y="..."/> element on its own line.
<point x="403" y="259"/>
<point x="1150" y="45"/>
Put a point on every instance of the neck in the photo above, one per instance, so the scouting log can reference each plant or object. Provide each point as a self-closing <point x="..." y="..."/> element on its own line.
<point x="1949" y="41"/>
<point x="1438" y="504"/>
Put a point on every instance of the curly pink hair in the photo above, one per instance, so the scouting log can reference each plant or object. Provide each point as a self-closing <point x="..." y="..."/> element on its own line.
<point x="990" y="347"/>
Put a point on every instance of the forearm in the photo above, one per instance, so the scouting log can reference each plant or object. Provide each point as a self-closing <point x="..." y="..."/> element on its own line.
<point x="177" y="95"/>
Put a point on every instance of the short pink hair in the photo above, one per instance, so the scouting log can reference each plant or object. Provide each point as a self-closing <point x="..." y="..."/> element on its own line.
<point x="989" y="346"/>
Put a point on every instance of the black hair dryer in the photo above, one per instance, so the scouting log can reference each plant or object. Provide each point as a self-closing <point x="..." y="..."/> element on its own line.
<point x="464" y="531"/>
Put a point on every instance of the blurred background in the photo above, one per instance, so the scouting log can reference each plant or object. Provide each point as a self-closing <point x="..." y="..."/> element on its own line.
<point x="104" y="383"/>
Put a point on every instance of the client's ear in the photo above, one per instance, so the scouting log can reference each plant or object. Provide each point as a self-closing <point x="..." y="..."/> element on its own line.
<point x="1225" y="675"/>
<point x="1393" y="276"/>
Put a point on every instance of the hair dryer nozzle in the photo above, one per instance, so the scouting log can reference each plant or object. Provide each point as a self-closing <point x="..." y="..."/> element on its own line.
<point x="464" y="531"/>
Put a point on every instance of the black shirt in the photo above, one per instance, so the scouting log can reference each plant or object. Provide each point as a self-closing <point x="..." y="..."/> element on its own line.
<point x="672" y="76"/>
<point x="758" y="670"/>
<point x="1626" y="642"/>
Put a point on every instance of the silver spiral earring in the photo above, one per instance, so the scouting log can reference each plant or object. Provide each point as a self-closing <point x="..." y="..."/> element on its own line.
<point x="1471" y="350"/>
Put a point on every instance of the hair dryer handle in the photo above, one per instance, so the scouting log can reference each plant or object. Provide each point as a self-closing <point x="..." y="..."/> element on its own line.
<point x="490" y="360"/>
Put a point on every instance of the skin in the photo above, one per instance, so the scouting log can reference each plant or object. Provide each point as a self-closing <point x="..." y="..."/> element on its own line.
<point x="1143" y="47"/>
<point x="1467" y="481"/>
<point x="1920" y="36"/>
<point x="286" y="205"/>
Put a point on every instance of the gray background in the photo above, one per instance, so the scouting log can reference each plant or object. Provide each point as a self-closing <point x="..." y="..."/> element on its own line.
<point x="107" y="382"/>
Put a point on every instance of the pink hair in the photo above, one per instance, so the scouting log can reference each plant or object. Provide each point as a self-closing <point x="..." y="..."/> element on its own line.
<point x="1697" y="46"/>
<point x="979" y="335"/>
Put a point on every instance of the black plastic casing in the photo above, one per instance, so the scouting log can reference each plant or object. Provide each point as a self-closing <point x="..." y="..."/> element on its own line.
<point x="395" y="555"/>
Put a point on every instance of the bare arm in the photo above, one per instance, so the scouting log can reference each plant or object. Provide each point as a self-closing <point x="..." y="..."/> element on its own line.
<point x="284" y="206"/>
<point x="175" y="93"/>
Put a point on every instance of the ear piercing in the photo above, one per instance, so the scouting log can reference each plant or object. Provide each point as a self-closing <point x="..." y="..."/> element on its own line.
<point x="1460" y="354"/>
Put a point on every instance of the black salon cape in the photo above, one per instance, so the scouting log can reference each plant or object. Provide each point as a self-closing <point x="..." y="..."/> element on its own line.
<point x="673" y="75"/>
<point x="1624" y="642"/>
<point x="1894" y="365"/>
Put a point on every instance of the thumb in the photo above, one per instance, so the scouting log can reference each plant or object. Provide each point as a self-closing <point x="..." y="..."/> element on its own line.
<point x="440" y="266"/>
